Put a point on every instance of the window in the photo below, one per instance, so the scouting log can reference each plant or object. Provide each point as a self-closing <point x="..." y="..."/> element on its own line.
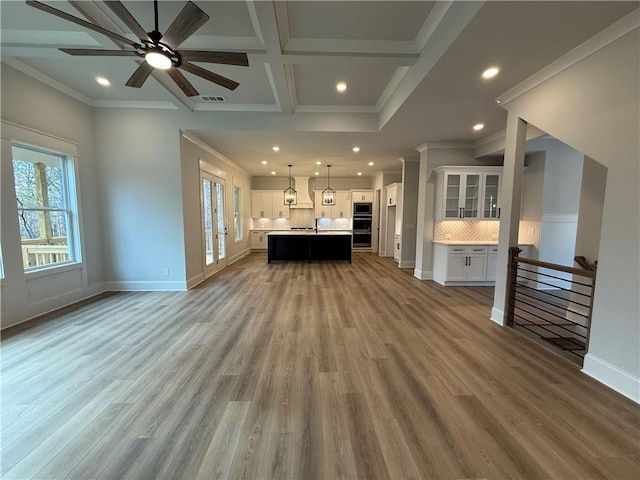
<point x="237" y="215"/>
<point x="43" y="182"/>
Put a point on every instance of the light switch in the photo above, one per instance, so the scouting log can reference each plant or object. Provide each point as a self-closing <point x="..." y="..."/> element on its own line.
<point x="531" y="231"/>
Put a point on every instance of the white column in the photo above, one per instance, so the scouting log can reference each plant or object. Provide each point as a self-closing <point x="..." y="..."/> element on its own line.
<point x="511" y="198"/>
<point x="424" y="224"/>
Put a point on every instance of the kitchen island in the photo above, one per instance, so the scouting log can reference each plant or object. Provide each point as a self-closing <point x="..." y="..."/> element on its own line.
<point x="309" y="245"/>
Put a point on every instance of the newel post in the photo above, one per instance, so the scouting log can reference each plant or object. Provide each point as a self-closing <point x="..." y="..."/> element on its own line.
<point x="511" y="284"/>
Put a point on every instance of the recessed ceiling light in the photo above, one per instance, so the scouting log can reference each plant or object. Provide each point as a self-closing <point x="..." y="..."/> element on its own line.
<point x="356" y="149"/>
<point x="341" y="87"/>
<point x="273" y="173"/>
<point x="371" y="164"/>
<point x="490" y="72"/>
<point x="318" y="162"/>
<point x="316" y="173"/>
<point x="497" y="101"/>
<point x="103" y="81"/>
<point x="276" y="148"/>
<point x="359" y="173"/>
<point x="478" y="126"/>
<point x="264" y="162"/>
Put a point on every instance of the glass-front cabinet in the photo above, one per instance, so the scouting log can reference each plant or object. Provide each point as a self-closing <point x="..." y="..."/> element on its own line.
<point x="462" y="195"/>
<point x="491" y="195"/>
<point x="471" y="195"/>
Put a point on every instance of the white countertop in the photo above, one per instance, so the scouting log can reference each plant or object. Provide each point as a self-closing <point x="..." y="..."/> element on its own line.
<point x="455" y="242"/>
<point x="309" y="232"/>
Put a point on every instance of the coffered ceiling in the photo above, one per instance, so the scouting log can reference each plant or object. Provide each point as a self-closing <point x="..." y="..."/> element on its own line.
<point x="412" y="71"/>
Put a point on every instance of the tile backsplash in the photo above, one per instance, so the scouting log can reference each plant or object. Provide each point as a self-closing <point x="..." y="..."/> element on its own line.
<point x="466" y="230"/>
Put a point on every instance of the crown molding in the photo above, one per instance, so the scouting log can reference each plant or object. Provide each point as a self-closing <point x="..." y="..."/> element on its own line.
<point x="335" y="109"/>
<point x="607" y="36"/>
<point x="208" y="148"/>
<point x="236" y="107"/>
<point x="134" y="104"/>
<point x="46" y="79"/>
<point x="490" y="139"/>
<point x="444" y="146"/>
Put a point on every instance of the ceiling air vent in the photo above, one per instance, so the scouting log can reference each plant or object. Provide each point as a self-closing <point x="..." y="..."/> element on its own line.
<point x="211" y="99"/>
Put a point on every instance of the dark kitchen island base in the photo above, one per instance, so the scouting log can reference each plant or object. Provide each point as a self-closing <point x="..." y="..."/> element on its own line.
<point x="309" y="246"/>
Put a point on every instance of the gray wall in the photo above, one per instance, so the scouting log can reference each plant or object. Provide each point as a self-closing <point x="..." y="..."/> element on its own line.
<point x="139" y="155"/>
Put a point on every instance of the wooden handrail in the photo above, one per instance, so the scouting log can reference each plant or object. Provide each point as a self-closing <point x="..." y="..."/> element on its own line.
<point x="555" y="266"/>
<point x="580" y="260"/>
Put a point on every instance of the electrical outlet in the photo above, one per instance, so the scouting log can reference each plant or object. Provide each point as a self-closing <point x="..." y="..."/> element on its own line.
<point x="447" y="236"/>
<point x="531" y="231"/>
<point x="165" y="271"/>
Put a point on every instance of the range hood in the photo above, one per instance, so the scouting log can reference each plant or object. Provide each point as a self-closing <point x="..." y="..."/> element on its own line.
<point x="302" y="187"/>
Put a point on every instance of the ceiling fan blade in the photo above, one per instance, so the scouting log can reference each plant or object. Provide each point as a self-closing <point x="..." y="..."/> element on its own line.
<point x="207" y="75"/>
<point x="123" y="14"/>
<point x="190" y="19"/>
<point x="227" y="58"/>
<point x="94" y="52"/>
<point x="182" y="82"/>
<point x="79" y="21"/>
<point x="140" y="75"/>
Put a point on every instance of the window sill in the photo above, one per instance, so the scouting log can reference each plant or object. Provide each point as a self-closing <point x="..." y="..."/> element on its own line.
<point x="53" y="270"/>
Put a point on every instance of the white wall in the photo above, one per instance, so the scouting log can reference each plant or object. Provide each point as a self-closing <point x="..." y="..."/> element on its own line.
<point x="192" y="153"/>
<point x="594" y="182"/>
<point x="380" y="181"/>
<point x="142" y="223"/>
<point x="531" y="211"/>
<point x="409" y="215"/>
<point x="593" y="107"/>
<point x="34" y="105"/>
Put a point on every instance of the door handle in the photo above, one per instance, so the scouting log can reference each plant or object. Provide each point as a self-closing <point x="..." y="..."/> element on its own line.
<point x="460" y="212"/>
<point x="498" y="212"/>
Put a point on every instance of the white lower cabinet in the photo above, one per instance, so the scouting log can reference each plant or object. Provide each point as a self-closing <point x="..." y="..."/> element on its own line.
<point x="467" y="264"/>
<point x="461" y="264"/>
<point x="259" y="240"/>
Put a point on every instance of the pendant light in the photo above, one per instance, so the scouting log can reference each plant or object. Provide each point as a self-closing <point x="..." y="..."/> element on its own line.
<point x="328" y="194"/>
<point x="290" y="194"/>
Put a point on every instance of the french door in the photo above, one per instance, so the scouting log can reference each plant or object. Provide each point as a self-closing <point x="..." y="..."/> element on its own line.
<point x="214" y="226"/>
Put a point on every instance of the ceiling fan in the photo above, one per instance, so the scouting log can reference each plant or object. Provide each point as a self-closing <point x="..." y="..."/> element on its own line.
<point x="157" y="49"/>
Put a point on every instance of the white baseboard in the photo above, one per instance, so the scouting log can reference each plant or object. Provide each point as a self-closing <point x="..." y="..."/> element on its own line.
<point x="422" y="275"/>
<point x="145" y="286"/>
<point x="612" y="376"/>
<point x="407" y="264"/>
<point x="35" y="310"/>
<point x="239" y="256"/>
<point x="195" y="280"/>
<point x="497" y="316"/>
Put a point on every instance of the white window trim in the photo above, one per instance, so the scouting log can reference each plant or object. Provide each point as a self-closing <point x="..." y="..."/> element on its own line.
<point x="236" y="239"/>
<point x="25" y="136"/>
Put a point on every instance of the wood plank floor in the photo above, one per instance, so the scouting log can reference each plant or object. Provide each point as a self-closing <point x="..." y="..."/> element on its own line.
<point x="302" y="371"/>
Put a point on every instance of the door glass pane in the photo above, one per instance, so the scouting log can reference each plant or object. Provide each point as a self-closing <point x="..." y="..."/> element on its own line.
<point x="452" y="195"/>
<point x="490" y="209"/>
<point x="472" y="196"/>
<point x="207" y="212"/>
<point x="222" y="238"/>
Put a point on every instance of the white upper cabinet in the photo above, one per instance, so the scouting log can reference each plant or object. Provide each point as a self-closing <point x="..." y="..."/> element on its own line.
<point x="362" y="196"/>
<point x="394" y="190"/>
<point x="268" y="204"/>
<point x="491" y="195"/>
<point x="341" y="209"/>
<point x="462" y="193"/>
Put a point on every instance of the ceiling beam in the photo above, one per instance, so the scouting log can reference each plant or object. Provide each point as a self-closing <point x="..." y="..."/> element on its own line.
<point x="267" y="27"/>
<point x="443" y="25"/>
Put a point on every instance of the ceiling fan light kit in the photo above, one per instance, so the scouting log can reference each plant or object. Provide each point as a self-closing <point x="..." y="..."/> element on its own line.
<point x="157" y="49"/>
